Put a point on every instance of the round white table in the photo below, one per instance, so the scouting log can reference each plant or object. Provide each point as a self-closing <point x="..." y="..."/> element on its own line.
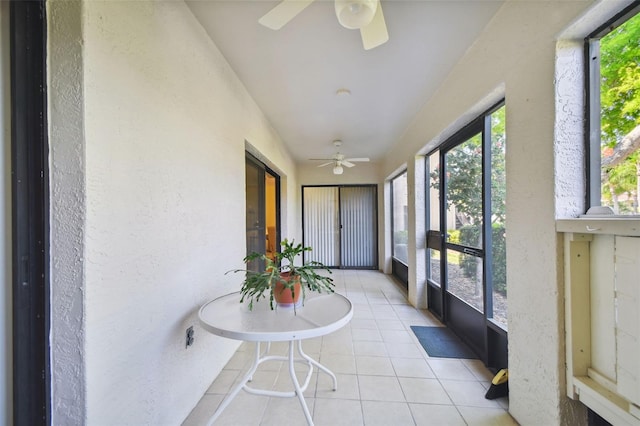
<point x="321" y="314"/>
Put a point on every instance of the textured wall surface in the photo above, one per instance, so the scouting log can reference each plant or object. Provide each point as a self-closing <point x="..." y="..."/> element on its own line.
<point x="362" y="173"/>
<point x="417" y="188"/>
<point x="569" y="130"/>
<point x="514" y="58"/>
<point x="67" y="195"/>
<point x="148" y="129"/>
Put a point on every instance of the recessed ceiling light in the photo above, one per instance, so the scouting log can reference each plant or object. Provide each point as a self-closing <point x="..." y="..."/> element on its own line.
<point x="343" y="92"/>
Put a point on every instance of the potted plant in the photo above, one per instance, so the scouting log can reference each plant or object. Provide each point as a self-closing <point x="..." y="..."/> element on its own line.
<point x="285" y="282"/>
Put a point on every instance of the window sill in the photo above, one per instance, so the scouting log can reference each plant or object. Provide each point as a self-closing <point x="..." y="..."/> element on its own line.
<point x="400" y="261"/>
<point x="611" y="225"/>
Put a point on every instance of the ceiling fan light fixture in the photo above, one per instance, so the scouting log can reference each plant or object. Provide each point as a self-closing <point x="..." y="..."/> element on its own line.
<point x="355" y="14"/>
<point x="337" y="170"/>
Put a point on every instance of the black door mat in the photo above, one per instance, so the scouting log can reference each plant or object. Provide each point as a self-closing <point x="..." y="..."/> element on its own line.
<point x="441" y="342"/>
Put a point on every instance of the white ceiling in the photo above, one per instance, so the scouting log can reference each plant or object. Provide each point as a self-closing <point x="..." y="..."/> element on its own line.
<point x="293" y="74"/>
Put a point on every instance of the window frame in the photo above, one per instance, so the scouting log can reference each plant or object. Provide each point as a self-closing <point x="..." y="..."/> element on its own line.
<point x="593" y="193"/>
<point x="30" y="204"/>
<point x="399" y="268"/>
<point x="392" y="198"/>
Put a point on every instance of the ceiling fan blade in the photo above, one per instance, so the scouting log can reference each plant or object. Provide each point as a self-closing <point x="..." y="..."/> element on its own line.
<point x="355" y="160"/>
<point x="325" y="164"/>
<point x="346" y="163"/>
<point x="285" y="11"/>
<point x="375" y="34"/>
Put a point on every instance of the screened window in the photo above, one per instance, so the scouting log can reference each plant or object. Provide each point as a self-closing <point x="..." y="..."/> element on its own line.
<point x="433" y="218"/>
<point x="400" y="222"/>
<point x="614" y="113"/>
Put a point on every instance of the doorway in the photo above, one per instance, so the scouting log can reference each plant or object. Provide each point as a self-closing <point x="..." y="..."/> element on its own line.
<point x="340" y="224"/>
<point x="263" y="210"/>
<point x="466" y="280"/>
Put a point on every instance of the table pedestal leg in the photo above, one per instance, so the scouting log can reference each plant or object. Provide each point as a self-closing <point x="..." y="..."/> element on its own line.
<point x="317" y="364"/>
<point x="247" y="377"/>
<point x="298" y="388"/>
<point x="296" y="384"/>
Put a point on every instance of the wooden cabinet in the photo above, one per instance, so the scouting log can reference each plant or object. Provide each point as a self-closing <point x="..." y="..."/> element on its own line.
<point x="602" y="315"/>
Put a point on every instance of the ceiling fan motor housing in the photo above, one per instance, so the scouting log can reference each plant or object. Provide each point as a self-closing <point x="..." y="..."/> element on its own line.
<point x="355" y="14"/>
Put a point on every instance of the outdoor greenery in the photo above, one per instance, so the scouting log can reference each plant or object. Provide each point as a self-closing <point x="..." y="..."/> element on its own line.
<point x="464" y="178"/>
<point x="620" y="116"/>
<point x="464" y="174"/>
<point x="468" y="236"/>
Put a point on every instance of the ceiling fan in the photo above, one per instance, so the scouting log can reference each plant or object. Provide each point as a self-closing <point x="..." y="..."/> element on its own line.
<point x="363" y="15"/>
<point x="338" y="160"/>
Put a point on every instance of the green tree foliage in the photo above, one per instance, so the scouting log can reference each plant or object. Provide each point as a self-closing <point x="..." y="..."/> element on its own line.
<point x="464" y="180"/>
<point x="498" y="164"/>
<point x="464" y="174"/>
<point x="620" y="81"/>
<point x="499" y="255"/>
<point x="620" y="115"/>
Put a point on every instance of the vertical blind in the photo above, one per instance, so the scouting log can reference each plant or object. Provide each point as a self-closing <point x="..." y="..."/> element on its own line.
<point x="322" y="225"/>
<point x="340" y="225"/>
<point x="358" y="236"/>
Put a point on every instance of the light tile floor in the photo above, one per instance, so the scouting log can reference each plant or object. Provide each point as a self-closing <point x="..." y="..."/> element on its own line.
<point x="384" y="375"/>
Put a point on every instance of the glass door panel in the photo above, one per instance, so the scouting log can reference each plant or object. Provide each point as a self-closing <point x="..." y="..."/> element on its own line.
<point x="255" y="215"/>
<point x="463" y="195"/>
<point x="399" y="215"/>
<point x="466" y="250"/>
<point x="463" y="192"/>
<point x="271" y="215"/>
<point x="434" y="266"/>
<point x="358" y="234"/>
<point x="322" y="224"/>
<point x="262" y="192"/>
<point x="464" y="278"/>
<point x="340" y="224"/>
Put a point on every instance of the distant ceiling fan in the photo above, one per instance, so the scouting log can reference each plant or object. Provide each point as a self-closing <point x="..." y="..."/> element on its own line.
<point x="363" y="15"/>
<point x="338" y="160"/>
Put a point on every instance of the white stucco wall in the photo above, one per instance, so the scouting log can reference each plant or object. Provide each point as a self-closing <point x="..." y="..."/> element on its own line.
<point x="67" y="212"/>
<point x="156" y="201"/>
<point x="514" y="58"/>
<point x="416" y="197"/>
<point x="361" y="174"/>
<point x="6" y="398"/>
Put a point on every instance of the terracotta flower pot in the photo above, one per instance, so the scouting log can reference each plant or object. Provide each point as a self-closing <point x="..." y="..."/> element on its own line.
<point x="283" y="295"/>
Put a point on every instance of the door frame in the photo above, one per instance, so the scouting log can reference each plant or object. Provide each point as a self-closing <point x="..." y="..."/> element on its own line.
<point x="488" y="340"/>
<point x="30" y="214"/>
<point x="249" y="158"/>
<point x="462" y="318"/>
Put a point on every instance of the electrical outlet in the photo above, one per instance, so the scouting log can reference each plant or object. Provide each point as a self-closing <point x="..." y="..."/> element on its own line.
<point x="190" y="336"/>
